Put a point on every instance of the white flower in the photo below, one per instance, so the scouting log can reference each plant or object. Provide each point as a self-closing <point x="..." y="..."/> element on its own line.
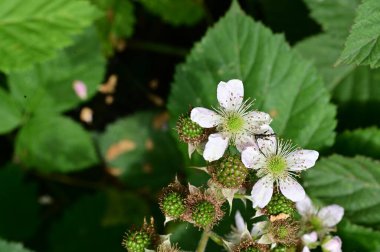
<point x="277" y="162"/>
<point x="234" y="122"/>
<point x="323" y="220"/>
<point x="332" y="245"/>
<point x="241" y="232"/>
<point x="309" y="241"/>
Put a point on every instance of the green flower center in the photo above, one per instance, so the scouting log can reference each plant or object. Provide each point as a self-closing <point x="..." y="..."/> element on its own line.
<point x="282" y="232"/>
<point x="276" y="165"/>
<point x="234" y="123"/>
<point x="316" y="223"/>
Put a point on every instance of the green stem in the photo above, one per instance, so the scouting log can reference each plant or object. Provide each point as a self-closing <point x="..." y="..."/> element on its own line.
<point x="216" y="238"/>
<point x="239" y="196"/>
<point x="203" y="241"/>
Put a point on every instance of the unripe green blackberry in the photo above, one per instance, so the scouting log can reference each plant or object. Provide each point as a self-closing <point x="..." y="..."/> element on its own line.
<point x="173" y="205"/>
<point x="189" y="131"/>
<point x="230" y="172"/>
<point x="280" y="204"/>
<point x="203" y="214"/>
<point x="137" y="241"/>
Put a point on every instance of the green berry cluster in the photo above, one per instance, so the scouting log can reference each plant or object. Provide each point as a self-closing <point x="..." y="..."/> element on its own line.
<point x="231" y="172"/>
<point x="173" y="205"/>
<point x="137" y="241"/>
<point x="203" y="213"/>
<point x="190" y="129"/>
<point x="280" y="204"/>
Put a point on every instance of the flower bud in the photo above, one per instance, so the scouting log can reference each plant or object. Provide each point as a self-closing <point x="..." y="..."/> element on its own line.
<point x="282" y="248"/>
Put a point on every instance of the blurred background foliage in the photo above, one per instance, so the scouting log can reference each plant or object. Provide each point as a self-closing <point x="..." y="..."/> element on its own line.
<point x="77" y="170"/>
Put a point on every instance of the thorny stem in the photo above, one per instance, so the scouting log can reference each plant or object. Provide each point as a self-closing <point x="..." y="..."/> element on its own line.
<point x="203" y="241"/>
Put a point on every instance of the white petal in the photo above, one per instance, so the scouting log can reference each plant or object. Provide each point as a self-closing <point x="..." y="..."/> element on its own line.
<point x="204" y="117"/>
<point x="309" y="238"/>
<point x="265" y="239"/>
<point x="80" y="89"/>
<point x="302" y="159"/>
<point x="305" y="249"/>
<point x="305" y="207"/>
<point x="239" y="222"/>
<point x="259" y="229"/>
<point x="333" y="245"/>
<point x="262" y="192"/>
<point x="256" y="121"/>
<point x="331" y="215"/>
<point x="191" y="148"/>
<point x="291" y="189"/>
<point x="215" y="147"/>
<point x="251" y="157"/>
<point x="230" y="94"/>
<point x="267" y="144"/>
<point x="244" y="140"/>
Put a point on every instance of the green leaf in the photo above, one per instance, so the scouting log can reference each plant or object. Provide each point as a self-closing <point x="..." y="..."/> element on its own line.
<point x="32" y="31"/>
<point x="10" y="112"/>
<point x="360" y="86"/>
<point x="117" y="23"/>
<point x="359" y="142"/>
<point x="184" y="12"/>
<point x="362" y="46"/>
<point x="358" y="238"/>
<point x="48" y="87"/>
<point x="19" y="209"/>
<point x="323" y="50"/>
<point x="82" y="229"/>
<point x="140" y="150"/>
<point x="335" y="16"/>
<point x="55" y="143"/>
<point x="12" y="247"/>
<point x="353" y="183"/>
<point x="283" y="84"/>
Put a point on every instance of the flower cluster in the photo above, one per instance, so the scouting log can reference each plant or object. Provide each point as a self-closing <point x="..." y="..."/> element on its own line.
<point x="243" y="153"/>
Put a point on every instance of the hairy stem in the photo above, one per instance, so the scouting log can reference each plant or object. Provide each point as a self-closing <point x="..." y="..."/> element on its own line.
<point x="203" y="241"/>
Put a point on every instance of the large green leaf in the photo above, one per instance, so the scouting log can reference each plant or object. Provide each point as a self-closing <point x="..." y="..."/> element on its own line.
<point x="140" y="150"/>
<point x="10" y="112"/>
<point x="117" y="22"/>
<point x="358" y="238"/>
<point x="359" y="142"/>
<point x="55" y="143"/>
<point x="82" y="229"/>
<point x="12" y="247"/>
<point x="19" y="218"/>
<point x="283" y="84"/>
<point x="323" y="50"/>
<point x="335" y="16"/>
<point x="184" y="12"/>
<point x="362" y="45"/>
<point x="32" y="31"/>
<point x="362" y="85"/>
<point x="353" y="183"/>
<point x="48" y="87"/>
